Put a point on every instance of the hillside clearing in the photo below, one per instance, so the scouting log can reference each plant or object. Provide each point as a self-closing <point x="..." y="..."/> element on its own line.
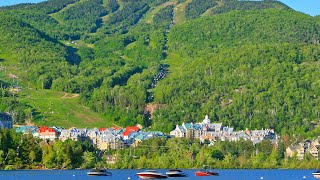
<point x="180" y="12"/>
<point x="61" y="109"/>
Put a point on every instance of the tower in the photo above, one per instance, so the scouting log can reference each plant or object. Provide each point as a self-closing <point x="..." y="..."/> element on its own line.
<point x="206" y="120"/>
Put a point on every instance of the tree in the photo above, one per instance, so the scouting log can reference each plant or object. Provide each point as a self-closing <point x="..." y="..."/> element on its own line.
<point x="216" y="154"/>
<point x="89" y="159"/>
<point x="32" y="156"/>
<point x="265" y="147"/>
<point x="2" y="160"/>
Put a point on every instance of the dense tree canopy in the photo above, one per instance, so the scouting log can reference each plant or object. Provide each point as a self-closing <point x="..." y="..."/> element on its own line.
<point x="244" y="74"/>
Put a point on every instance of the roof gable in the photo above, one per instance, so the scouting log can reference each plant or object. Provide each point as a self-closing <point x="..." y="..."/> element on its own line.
<point x="130" y="129"/>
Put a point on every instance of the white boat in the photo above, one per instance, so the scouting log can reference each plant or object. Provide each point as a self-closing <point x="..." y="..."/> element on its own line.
<point x="316" y="174"/>
<point x="151" y="174"/>
<point x="175" y="173"/>
<point x="99" y="172"/>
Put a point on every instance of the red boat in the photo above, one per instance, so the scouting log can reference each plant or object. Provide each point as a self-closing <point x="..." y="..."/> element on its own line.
<point x="151" y="174"/>
<point x="204" y="172"/>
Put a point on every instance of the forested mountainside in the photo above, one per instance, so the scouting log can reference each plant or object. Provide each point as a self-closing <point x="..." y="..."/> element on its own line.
<point x="160" y="63"/>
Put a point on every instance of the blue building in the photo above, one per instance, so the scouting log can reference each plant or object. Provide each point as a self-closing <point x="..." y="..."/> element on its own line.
<point x="5" y="121"/>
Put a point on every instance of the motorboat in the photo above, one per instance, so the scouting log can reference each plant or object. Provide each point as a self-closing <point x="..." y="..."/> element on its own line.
<point x="175" y="173"/>
<point x="99" y="172"/>
<point x="316" y="174"/>
<point x="151" y="174"/>
<point x="204" y="172"/>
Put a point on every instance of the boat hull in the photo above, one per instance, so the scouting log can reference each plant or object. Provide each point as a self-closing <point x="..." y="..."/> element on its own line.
<point x="151" y="176"/>
<point x="176" y="175"/>
<point x="98" y="174"/>
<point x="316" y="175"/>
<point x="200" y="173"/>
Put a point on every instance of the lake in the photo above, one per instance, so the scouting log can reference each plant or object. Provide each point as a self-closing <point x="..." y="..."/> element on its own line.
<point x="12" y="2"/>
<point x="225" y="174"/>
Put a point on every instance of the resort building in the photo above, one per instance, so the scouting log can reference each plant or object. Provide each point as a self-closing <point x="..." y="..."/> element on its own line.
<point x="46" y="133"/>
<point x="304" y="148"/>
<point x="206" y="130"/>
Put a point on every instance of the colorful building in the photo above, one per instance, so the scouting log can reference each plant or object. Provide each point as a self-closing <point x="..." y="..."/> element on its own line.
<point x="46" y="133"/>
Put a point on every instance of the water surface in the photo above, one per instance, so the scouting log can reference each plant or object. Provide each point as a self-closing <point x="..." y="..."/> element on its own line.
<point x="225" y="174"/>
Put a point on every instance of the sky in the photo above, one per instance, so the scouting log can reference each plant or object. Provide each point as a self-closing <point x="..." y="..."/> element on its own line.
<point x="11" y="2"/>
<point x="311" y="7"/>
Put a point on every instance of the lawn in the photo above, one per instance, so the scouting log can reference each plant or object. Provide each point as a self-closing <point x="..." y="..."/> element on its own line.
<point x="175" y="63"/>
<point x="180" y="12"/>
<point x="61" y="109"/>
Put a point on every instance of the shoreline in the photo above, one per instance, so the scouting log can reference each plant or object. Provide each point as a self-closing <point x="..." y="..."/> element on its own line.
<point x="43" y="169"/>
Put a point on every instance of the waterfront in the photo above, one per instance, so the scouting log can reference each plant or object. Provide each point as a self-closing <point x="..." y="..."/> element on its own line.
<point x="225" y="174"/>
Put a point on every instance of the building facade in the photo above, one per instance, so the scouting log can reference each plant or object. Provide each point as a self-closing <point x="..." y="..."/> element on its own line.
<point x="206" y="130"/>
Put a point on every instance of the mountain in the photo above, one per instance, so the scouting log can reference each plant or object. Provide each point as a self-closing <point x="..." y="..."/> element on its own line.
<point x="247" y="64"/>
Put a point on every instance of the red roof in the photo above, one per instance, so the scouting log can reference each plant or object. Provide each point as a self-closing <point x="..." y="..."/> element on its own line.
<point x="45" y="129"/>
<point x="126" y="133"/>
<point x="102" y="129"/>
<point x="130" y="129"/>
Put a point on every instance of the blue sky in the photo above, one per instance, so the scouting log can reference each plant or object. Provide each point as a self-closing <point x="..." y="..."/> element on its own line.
<point x="11" y="2"/>
<point x="311" y="7"/>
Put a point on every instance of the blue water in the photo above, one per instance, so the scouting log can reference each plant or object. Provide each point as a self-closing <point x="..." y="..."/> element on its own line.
<point x="12" y="2"/>
<point x="228" y="174"/>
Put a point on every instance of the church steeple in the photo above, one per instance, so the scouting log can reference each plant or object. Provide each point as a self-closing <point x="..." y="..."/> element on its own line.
<point x="206" y="120"/>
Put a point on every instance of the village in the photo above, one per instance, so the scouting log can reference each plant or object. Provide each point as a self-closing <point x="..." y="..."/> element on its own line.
<point x="118" y="138"/>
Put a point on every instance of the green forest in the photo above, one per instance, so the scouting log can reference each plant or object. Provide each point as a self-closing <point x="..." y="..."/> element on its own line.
<point x="246" y="64"/>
